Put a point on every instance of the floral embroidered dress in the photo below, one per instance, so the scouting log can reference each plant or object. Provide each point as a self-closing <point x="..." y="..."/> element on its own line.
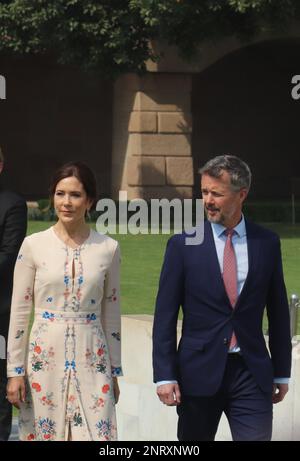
<point x="73" y="349"/>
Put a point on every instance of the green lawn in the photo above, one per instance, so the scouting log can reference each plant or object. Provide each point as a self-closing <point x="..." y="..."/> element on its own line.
<point x="142" y="257"/>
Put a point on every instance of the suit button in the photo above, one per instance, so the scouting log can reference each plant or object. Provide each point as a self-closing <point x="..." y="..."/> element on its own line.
<point x="225" y="341"/>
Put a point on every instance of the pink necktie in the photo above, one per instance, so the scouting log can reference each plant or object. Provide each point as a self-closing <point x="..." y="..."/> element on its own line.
<point x="230" y="276"/>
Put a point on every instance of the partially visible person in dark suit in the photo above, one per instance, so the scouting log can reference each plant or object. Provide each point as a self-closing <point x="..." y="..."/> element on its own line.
<point x="13" y="224"/>
<point x="223" y="285"/>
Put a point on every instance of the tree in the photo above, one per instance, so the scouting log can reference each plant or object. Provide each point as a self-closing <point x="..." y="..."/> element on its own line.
<point x="187" y="23"/>
<point x="113" y="36"/>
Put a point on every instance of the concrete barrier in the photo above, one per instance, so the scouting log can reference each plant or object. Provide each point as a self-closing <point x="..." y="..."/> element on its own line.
<point x="141" y="416"/>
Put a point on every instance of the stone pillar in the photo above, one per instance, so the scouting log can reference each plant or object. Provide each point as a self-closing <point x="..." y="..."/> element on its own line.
<point x="152" y="155"/>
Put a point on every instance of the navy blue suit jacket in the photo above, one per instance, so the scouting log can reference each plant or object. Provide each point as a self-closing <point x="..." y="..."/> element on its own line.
<point x="191" y="278"/>
<point x="13" y="223"/>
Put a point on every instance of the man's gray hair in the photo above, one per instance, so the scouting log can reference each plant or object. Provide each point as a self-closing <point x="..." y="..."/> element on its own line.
<point x="238" y="170"/>
<point x="1" y="156"/>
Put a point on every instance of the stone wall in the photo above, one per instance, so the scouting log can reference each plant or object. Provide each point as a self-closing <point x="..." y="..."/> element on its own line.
<point x="152" y="154"/>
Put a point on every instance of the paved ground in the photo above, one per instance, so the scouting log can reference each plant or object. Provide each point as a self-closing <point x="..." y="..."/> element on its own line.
<point x="14" y="433"/>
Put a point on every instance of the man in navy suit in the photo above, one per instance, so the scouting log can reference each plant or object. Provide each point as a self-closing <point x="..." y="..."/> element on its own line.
<point x="223" y="286"/>
<point x="13" y="223"/>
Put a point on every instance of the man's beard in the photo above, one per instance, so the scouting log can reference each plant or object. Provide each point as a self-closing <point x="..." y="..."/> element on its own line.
<point x="218" y="219"/>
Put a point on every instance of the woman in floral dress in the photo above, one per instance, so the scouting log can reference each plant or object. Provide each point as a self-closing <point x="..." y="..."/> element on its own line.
<point x="63" y="375"/>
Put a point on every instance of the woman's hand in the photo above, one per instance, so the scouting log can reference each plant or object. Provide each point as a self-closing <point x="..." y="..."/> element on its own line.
<point x="116" y="389"/>
<point x="16" y="390"/>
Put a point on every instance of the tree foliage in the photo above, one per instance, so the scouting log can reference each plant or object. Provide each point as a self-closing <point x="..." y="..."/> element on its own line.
<point x="113" y="36"/>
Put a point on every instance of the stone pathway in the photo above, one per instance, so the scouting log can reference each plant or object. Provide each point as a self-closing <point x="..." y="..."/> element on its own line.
<point x="14" y="436"/>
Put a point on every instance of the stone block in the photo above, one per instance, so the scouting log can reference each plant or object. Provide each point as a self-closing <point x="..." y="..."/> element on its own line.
<point x="159" y="144"/>
<point x="170" y="101"/>
<point x="153" y="81"/>
<point x="174" y="122"/>
<point x="180" y="171"/>
<point x="146" y="171"/>
<point x="160" y="192"/>
<point x="143" y="122"/>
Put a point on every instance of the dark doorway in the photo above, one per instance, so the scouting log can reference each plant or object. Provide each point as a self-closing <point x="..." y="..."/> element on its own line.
<point x="243" y="105"/>
<point x="51" y="115"/>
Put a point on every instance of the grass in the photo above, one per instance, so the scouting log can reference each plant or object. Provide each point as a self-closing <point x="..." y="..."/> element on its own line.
<point x="142" y="256"/>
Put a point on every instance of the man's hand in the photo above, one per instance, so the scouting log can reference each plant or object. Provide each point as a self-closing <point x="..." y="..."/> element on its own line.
<point x="169" y="394"/>
<point x="279" y="391"/>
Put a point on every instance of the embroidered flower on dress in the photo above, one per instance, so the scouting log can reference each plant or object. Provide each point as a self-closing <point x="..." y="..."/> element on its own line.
<point x="19" y="334"/>
<point x="48" y="315"/>
<point x="98" y="403"/>
<point x="69" y="364"/>
<point x="105" y="388"/>
<point x="104" y="428"/>
<point x="50" y="299"/>
<point x="28" y="295"/>
<point x="19" y="370"/>
<point x="97" y="361"/>
<point x="47" y="428"/>
<point x="41" y="359"/>
<point x="47" y="401"/>
<point x="116" y="335"/>
<point x="36" y="386"/>
<point x="116" y="371"/>
<point x="77" y="419"/>
<point x="91" y="317"/>
<point x="113" y="296"/>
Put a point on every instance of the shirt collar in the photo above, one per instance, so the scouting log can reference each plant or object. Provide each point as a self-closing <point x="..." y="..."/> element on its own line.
<point x="240" y="228"/>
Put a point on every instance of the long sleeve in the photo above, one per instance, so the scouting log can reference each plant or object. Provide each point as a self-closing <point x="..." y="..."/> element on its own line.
<point x="13" y="231"/>
<point x="13" y="235"/>
<point x="279" y="320"/>
<point x="22" y="300"/>
<point x="169" y="299"/>
<point x="110" y="313"/>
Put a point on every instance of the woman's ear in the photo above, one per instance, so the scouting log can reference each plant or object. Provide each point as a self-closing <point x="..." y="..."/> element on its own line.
<point x="90" y="204"/>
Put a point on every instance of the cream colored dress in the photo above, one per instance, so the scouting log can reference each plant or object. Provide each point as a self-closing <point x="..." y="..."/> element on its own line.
<point x="74" y="346"/>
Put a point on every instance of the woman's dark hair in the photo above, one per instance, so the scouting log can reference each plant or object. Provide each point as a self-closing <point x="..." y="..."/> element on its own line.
<point x="82" y="172"/>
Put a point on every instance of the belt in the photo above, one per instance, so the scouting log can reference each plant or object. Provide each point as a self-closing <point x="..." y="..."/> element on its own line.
<point x="50" y="316"/>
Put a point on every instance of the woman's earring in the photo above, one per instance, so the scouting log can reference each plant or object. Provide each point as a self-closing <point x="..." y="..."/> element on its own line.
<point x="88" y="215"/>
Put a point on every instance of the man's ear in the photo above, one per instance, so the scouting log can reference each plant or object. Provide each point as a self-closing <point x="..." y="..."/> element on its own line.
<point x="243" y="194"/>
